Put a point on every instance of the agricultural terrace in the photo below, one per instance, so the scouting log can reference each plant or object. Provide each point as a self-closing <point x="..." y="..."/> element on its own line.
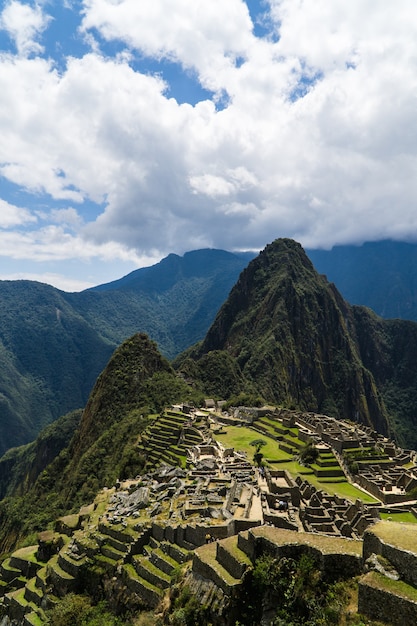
<point x="240" y="438"/>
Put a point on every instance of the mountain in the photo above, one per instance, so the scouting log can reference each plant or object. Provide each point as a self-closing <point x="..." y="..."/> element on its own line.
<point x="174" y="301"/>
<point x="53" y="344"/>
<point x="284" y="334"/>
<point x="73" y="458"/>
<point x="381" y="275"/>
<point x="50" y="359"/>
<point x="288" y="332"/>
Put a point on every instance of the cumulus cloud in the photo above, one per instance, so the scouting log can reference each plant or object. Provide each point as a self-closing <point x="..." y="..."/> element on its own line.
<point x="317" y="139"/>
<point x="53" y="242"/>
<point x="205" y="36"/>
<point x="68" y="217"/>
<point x="24" y="24"/>
<point x="11" y="216"/>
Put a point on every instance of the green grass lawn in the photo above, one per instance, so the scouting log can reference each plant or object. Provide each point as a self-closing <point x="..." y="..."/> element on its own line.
<point x="342" y="489"/>
<point x="269" y="428"/>
<point x="240" y="437"/>
<point x="407" y="518"/>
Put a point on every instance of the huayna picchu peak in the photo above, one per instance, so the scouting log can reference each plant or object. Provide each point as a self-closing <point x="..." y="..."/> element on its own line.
<point x="295" y="340"/>
<point x="278" y="449"/>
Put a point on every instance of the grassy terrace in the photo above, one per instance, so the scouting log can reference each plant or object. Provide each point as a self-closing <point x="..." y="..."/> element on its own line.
<point x="240" y="437"/>
<point x="324" y="543"/>
<point x="396" y="587"/>
<point x="405" y="518"/>
<point x="405" y="539"/>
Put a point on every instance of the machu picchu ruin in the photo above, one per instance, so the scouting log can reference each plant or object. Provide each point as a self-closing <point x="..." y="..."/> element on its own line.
<point x="205" y="510"/>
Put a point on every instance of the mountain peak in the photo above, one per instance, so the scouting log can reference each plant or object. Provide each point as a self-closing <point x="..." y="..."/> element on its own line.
<point x="291" y="333"/>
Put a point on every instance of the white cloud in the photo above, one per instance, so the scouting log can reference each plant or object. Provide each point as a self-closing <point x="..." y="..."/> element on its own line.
<point x="318" y="141"/>
<point x="24" y="24"/>
<point x="56" y="243"/>
<point x="206" y="36"/>
<point x="68" y="217"/>
<point x="59" y="281"/>
<point x="11" y="216"/>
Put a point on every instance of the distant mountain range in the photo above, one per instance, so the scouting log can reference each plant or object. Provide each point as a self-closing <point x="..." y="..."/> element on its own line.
<point x="53" y="344"/>
<point x="381" y="275"/>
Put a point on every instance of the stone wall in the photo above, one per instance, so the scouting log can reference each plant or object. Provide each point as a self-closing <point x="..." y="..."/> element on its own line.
<point x="230" y="563"/>
<point x="202" y="568"/>
<point x="384" y="606"/>
<point x="404" y="562"/>
<point x="235" y="526"/>
<point x="333" y="565"/>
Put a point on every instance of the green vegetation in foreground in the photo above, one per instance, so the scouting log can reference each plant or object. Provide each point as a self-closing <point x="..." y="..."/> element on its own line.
<point x="240" y="437"/>
<point x="75" y="610"/>
<point x="296" y="590"/>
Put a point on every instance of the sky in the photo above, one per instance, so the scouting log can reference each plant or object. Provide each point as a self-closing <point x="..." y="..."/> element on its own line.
<point x="131" y="129"/>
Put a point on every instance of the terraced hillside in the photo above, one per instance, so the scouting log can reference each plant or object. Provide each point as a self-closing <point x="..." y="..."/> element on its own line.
<point x="167" y="439"/>
<point x="197" y="529"/>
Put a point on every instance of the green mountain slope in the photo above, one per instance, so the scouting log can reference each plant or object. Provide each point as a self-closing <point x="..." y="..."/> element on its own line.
<point x="49" y="359"/>
<point x="295" y="340"/>
<point x="92" y="452"/>
<point x="284" y="334"/>
<point x="53" y="344"/>
<point x="174" y="301"/>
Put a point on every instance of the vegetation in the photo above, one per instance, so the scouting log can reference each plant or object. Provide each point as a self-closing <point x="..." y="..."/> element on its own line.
<point x="258" y="444"/>
<point x="187" y="610"/>
<point x="309" y="454"/>
<point x="53" y="345"/>
<point x="50" y="359"/>
<point x="240" y="437"/>
<point x="293" y="339"/>
<point x="77" y="610"/>
<point x="399" y="516"/>
<point x="284" y="335"/>
<point x="292" y="593"/>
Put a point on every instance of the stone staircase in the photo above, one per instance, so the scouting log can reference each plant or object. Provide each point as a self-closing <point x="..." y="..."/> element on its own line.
<point x="23" y="591"/>
<point x="150" y="574"/>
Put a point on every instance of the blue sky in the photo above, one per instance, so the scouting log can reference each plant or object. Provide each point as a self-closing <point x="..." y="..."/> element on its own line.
<point x="134" y="129"/>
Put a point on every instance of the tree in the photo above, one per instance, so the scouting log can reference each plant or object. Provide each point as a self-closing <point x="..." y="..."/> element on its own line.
<point x="258" y="444"/>
<point x="309" y="454"/>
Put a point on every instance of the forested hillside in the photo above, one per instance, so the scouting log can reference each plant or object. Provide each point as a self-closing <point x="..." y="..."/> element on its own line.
<point x="73" y="459"/>
<point x="284" y="336"/>
<point x="53" y="344"/>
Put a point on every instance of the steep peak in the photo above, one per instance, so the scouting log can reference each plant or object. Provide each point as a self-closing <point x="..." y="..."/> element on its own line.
<point x="120" y="387"/>
<point x="294" y="336"/>
<point x="278" y="270"/>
